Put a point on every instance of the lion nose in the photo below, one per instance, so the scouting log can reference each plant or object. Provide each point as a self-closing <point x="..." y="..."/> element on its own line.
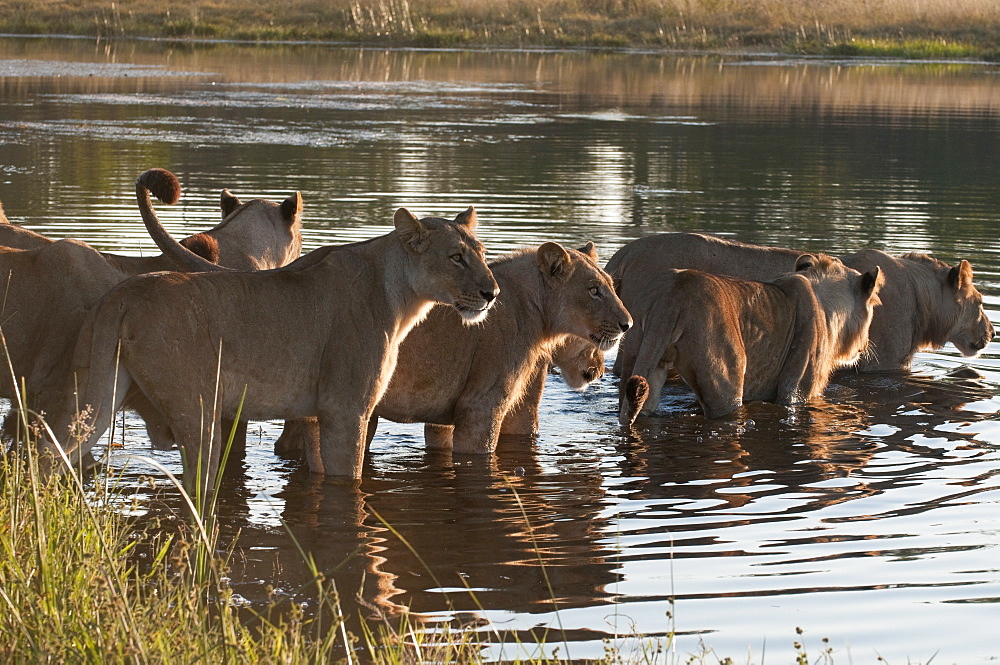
<point x="625" y="325"/>
<point x="491" y="295"/>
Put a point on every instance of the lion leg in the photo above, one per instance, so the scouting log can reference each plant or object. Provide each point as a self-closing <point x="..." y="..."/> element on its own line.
<point x="84" y="420"/>
<point x="201" y="455"/>
<point x="720" y="389"/>
<point x="522" y="418"/>
<point x="342" y="443"/>
<point x="370" y="433"/>
<point x="438" y="437"/>
<point x="297" y="437"/>
<point x="160" y="435"/>
<point x="476" y="431"/>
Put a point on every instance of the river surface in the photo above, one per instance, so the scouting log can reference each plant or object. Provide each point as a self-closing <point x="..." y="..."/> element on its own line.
<point x="871" y="518"/>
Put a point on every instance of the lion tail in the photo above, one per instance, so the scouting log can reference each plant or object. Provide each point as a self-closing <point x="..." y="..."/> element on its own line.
<point x="807" y="365"/>
<point x="99" y="383"/>
<point x="164" y="185"/>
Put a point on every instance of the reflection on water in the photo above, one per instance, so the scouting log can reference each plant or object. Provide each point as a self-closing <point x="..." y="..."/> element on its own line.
<point x="869" y="518"/>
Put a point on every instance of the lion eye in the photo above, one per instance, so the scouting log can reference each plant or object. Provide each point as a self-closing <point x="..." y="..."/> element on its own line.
<point x="457" y="258"/>
<point x="594" y="292"/>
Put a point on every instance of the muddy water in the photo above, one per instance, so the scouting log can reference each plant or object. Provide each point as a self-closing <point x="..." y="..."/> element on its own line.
<point x="870" y="518"/>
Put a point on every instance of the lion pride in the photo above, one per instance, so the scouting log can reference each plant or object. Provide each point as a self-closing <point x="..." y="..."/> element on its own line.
<point x="49" y="286"/>
<point x="734" y="340"/>
<point x="925" y="302"/>
<point x="318" y="337"/>
<point x="463" y="389"/>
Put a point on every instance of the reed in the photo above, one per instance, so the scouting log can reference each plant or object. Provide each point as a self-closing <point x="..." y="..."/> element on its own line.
<point x="973" y="26"/>
<point x="83" y="581"/>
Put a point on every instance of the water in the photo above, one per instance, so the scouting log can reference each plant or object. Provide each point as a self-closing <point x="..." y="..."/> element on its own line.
<point x="870" y="518"/>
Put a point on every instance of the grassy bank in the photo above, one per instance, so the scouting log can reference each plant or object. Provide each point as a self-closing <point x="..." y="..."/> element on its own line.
<point x="907" y="28"/>
<point x="81" y="581"/>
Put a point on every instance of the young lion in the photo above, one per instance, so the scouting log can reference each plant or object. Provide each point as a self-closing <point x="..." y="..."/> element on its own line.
<point x="925" y="302"/>
<point x="580" y="363"/>
<point x="463" y="390"/>
<point x="318" y="337"/>
<point x="50" y="285"/>
<point x="734" y="341"/>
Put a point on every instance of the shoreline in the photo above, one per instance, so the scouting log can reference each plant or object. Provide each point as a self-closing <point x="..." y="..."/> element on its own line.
<point x="937" y="29"/>
<point x="898" y="54"/>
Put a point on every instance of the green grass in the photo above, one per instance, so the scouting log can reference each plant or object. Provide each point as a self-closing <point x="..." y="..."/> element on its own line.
<point x="916" y="49"/>
<point x="83" y="582"/>
<point x="887" y="28"/>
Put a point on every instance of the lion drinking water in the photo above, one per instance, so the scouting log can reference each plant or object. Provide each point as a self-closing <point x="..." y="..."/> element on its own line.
<point x="925" y="302"/>
<point x="734" y="341"/>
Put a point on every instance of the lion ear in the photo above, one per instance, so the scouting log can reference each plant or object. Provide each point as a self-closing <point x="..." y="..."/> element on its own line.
<point x="805" y="262"/>
<point x="872" y="281"/>
<point x="960" y="276"/>
<point x="410" y="230"/>
<point x="229" y="203"/>
<point x="291" y="208"/>
<point x="590" y="250"/>
<point x="553" y="260"/>
<point x="467" y="218"/>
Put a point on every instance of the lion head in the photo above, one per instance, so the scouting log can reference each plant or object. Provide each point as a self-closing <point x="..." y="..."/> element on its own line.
<point x="960" y="318"/>
<point x="580" y="363"/>
<point x="450" y="261"/>
<point x="275" y="239"/>
<point x="972" y="330"/>
<point x="582" y="298"/>
<point x="848" y="299"/>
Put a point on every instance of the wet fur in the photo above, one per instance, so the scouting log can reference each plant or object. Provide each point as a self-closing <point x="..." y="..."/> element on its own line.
<point x="734" y="341"/>
<point x="925" y="302"/>
<point x="282" y="335"/>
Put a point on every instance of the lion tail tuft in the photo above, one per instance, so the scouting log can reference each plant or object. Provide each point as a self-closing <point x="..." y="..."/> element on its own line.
<point x="163" y="184"/>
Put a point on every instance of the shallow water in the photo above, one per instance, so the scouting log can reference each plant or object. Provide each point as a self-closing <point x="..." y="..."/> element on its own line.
<point x="870" y="518"/>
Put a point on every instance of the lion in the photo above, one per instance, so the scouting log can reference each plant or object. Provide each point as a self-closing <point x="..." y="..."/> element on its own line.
<point x="579" y="361"/>
<point x="203" y="347"/>
<point x="255" y="235"/>
<point x="580" y="364"/>
<point x="463" y="390"/>
<point x="925" y="302"/>
<point x="734" y="341"/>
<point x="50" y="286"/>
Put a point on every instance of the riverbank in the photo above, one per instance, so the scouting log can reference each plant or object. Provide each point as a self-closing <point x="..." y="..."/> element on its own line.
<point x="892" y="28"/>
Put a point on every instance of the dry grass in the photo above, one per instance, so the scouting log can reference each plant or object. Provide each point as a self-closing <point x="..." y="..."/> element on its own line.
<point x="804" y="25"/>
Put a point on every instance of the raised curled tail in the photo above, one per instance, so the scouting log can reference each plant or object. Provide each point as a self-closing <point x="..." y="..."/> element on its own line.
<point x="164" y="185"/>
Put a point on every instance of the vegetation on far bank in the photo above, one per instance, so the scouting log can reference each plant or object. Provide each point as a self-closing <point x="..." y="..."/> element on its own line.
<point x="892" y="28"/>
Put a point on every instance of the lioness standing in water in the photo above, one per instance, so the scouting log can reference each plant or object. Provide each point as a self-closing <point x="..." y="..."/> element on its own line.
<point x="925" y="302"/>
<point x="734" y="340"/>
<point x="316" y="338"/>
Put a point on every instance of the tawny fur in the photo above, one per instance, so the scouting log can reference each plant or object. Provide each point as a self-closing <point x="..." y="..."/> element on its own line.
<point x="465" y="388"/>
<point x="50" y="285"/>
<point x="316" y="338"/>
<point x="734" y="341"/>
<point x="925" y="302"/>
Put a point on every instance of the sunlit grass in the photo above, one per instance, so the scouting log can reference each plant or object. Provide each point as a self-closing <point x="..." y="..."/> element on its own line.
<point x="945" y="28"/>
<point x="920" y="49"/>
<point x="81" y="581"/>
